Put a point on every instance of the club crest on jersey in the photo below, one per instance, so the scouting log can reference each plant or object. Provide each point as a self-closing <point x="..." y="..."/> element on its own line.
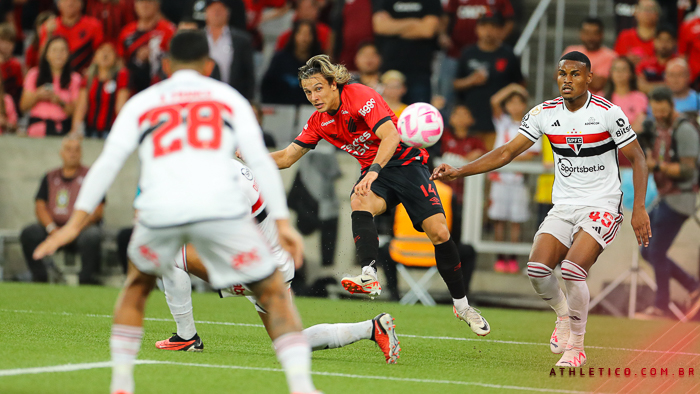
<point x="575" y="143"/>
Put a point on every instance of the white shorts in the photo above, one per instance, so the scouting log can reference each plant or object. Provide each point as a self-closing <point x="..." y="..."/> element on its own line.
<point x="232" y="251"/>
<point x="509" y="202"/>
<point x="564" y="221"/>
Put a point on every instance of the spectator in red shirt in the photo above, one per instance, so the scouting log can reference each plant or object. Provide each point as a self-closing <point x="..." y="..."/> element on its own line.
<point x="103" y="92"/>
<point x="650" y="71"/>
<point x="8" y="113"/>
<point x="144" y="42"/>
<point x="637" y="43"/>
<point x="50" y="91"/>
<point x="31" y="55"/>
<point x="114" y="15"/>
<point x="689" y="46"/>
<point x="351" y="21"/>
<point x="10" y="68"/>
<point x="308" y="10"/>
<point x="83" y="33"/>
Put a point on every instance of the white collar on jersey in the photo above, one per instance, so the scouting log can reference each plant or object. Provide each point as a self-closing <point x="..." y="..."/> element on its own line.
<point x="185" y="73"/>
<point x="588" y="102"/>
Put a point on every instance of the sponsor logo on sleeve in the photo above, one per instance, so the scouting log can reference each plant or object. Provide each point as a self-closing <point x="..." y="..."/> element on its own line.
<point x="622" y="128"/>
<point x="536" y="110"/>
<point x="247" y="174"/>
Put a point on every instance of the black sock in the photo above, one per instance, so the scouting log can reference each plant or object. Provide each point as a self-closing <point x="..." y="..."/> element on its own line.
<point x="450" y="268"/>
<point x="366" y="239"/>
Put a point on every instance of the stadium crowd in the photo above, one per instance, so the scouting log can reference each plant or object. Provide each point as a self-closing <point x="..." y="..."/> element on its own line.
<point x="67" y="67"/>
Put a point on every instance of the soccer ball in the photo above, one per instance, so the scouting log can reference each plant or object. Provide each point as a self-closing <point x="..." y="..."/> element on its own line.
<point x="420" y="125"/>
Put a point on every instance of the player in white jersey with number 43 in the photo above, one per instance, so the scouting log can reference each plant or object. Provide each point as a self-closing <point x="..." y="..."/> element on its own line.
<point x="187" y="129"/>
<point x="586" y="132"/>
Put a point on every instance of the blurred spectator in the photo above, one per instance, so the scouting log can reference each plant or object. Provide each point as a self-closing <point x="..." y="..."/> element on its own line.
<point x="622" y="90"/>
<point x="54" y="205"/>
<point x="50" y="91"/>
<point x="351" y="22"/>
<point x="10" y="68"/>
<point x="307" y="10"/>
<point x="260" y="11"/>
<point x="237" y="13"/>
<point x="624" y="15"/>
<point x="637" y="43"/>
<point x="114" y="15"/>
<point x="458" y="31"/>
<point x="103" y="92"/>
<point x="484" y="69"/>
<point x="21" y="15"/>
<point x="143" y="43"/>
<point x="367" y="63"/>
<point x="31" y="56"/>
<point x="677" y="79"/>
<point x="393" y="90"/>
<point x="650" y="70"/>
<point x="406" y="40"/>
<point x="591" y="36"/>
<point x="509" y="196"/>
<point x="83" y="33"/>
<point x="689" y="46"/>
<point x="457" y="145"/>
<point x="8" y="113"/>
<point x="280" y="85"/>
<point x="672" y="159"/>
<point x="231" y="49"/>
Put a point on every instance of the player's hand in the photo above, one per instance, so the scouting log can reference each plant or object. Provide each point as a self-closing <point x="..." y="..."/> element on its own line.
<point x="365" y="185"/>
<point x="55" y="240"/>
<point x="291" y="241"/>
<point x="445" y="173"/>
<point x="641" y="226"/>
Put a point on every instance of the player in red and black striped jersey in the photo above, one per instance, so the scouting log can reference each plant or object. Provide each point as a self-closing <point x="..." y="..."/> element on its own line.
<point x="357" y="120"/>
<point x="83" y="33"/>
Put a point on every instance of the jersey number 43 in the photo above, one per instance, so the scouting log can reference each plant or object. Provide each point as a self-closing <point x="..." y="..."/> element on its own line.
<point x="197" y="117"/>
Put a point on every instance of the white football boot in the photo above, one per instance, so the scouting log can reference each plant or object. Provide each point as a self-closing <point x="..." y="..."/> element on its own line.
<point x="560" y="336"/>
<point x="474" y="320"/>
<point x="365" y="283"/>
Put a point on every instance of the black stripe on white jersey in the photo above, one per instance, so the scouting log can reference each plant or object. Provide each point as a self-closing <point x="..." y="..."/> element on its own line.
<point x="585" y="152"/>
<point x="532" y="137"/>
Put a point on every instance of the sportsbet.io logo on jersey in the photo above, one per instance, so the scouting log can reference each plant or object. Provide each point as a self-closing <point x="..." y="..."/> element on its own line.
<point x="566" y="168"/>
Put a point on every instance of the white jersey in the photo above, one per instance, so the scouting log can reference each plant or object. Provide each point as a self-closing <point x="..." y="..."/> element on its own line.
<point x="585" y="146"/>
<point x="267" y="226"/>
<point x="187" y="129"/>
<point x="506" y="130"/>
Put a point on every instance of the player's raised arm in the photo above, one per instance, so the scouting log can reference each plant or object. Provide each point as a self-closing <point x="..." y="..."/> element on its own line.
<point x="495" y="159"/>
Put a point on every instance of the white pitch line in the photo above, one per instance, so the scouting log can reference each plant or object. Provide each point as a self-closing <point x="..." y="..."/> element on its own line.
<point x="220" y="323"/>
<point x="108" y="364"/>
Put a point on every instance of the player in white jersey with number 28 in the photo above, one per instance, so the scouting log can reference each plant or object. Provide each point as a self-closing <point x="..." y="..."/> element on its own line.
<point x="187" y="129"/>
<point x="586" y="132"/>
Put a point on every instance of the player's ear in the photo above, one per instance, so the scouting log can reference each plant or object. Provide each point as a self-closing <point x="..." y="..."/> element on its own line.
<point x="167" y="66"/>
<point x="590" y="76"/>
<point x="209" y="67"/>
<point x="334" y="85"/>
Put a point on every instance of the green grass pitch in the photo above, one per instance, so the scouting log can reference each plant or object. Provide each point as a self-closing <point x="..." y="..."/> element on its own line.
<point x="52" y="326"/>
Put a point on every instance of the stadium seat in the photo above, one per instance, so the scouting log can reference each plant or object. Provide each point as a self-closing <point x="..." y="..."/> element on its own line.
<point x="279" y="121"/>
<point x="412" y="249"/>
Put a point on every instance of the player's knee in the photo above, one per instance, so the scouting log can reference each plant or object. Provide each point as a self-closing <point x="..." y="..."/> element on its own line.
<point x="359" y="204"/>
<point x="439" y="235"/>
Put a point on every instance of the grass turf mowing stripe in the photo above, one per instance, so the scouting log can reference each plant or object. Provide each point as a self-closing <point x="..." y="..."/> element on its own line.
<point x="107" y="364"/>
<point x="402" y="335"/>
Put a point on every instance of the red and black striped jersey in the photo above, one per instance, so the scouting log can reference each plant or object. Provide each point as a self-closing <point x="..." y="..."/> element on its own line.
<point x="352" y="128"/>
<point x="131" y="38"/>
<point x="83" y="39"/>
<point x="113" y="15"/>
<point x="102" y="97"/>
<point x="12" y="78"/>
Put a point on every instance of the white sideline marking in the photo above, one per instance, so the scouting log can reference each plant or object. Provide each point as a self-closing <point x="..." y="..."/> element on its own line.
<point x="108" y="364"/>
<point x="221" y="323"/>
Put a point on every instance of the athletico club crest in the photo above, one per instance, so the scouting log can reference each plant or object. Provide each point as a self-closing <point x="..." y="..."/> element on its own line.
<point x="575" y="143"/>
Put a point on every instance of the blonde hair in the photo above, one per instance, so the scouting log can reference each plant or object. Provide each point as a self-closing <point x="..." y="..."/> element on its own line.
<point x="393" y="75"/>
<point x="321" y="64"/>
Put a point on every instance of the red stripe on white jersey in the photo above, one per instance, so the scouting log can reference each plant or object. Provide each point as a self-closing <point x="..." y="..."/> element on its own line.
<point x="587" y="138"/>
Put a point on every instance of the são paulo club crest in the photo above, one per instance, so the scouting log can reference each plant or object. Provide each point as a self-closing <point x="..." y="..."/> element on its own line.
<point x="575" y="143"/>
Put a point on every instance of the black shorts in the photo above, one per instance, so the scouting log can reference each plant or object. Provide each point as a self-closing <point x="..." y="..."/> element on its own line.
<point x="411" y="186"/>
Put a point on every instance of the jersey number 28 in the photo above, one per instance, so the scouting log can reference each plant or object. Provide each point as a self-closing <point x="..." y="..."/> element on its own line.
<point x="198" y="115"/>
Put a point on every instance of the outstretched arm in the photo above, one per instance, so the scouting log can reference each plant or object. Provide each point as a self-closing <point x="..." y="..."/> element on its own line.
<point x="497" y="158"/>
<point x="640" y="219"/>
<point x="291" y="154"/>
